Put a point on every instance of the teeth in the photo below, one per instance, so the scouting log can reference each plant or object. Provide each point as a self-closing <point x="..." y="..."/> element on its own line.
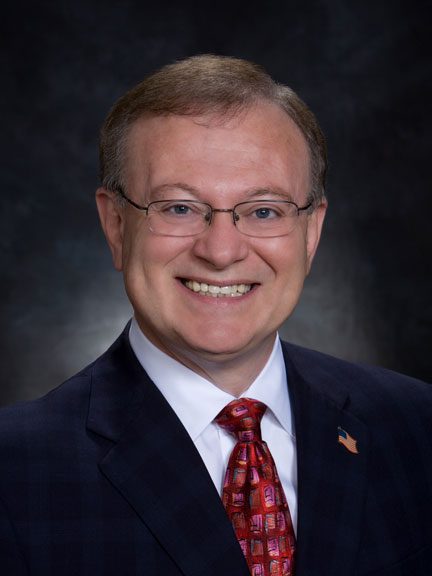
<point x="217" y="291"/>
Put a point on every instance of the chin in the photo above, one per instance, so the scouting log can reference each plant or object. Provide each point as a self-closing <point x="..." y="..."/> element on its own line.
<point x="225" y="342"/>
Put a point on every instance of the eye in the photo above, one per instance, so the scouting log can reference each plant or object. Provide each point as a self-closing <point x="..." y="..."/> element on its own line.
<point x="265" y="213"/>
<point x="178" y="209"/>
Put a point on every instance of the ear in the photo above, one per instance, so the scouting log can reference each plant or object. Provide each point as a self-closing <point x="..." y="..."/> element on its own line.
<point x="112" y="221"/>
<point x="313" y="233"/>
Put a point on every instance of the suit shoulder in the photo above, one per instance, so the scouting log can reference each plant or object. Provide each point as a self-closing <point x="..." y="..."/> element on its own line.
<point x="47" y="414"/>
<point x="63" y="410"/>
<point x="365" y="385"/>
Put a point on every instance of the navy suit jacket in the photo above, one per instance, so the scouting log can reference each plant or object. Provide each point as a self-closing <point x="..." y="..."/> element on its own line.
<point x="99" y="477"/>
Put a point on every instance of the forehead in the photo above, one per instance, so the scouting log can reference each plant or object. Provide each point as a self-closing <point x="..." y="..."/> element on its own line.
<point x="260" y="147"/>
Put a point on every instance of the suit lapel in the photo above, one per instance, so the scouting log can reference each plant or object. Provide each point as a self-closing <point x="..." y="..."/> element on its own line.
<point x="155" y="466"/>
<point x="331" y="480"/>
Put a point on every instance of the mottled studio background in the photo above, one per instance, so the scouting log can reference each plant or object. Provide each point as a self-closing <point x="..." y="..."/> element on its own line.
<point x="363" y="67"/>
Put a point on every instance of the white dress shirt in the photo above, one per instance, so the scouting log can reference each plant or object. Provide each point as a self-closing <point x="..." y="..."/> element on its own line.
<point x="197" y="402"/>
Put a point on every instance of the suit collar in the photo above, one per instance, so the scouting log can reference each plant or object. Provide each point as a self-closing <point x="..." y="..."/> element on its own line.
<point x="155" y="466"/>
<point x="315" y="373"/>
<point x="117" y="390"/>
<point x="331" y="480"/>
<point x="128" y="410"/>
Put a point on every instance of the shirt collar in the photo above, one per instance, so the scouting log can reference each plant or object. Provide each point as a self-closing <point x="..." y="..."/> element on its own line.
<point x="198" y="401"/>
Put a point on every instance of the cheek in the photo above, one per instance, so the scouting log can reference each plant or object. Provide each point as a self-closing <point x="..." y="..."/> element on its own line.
<point x="286" y="256"/>
<point x="147" y="257"/>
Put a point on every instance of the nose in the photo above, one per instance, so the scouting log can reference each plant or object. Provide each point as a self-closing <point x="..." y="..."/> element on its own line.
<point x="221" y="244"/>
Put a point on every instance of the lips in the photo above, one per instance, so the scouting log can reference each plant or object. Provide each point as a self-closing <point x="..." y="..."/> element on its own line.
<point x="227" y="291"/>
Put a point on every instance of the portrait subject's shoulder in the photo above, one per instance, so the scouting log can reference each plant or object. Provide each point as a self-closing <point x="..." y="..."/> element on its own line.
<point x="370" y="389"/>
<point x="30" y="423"/>
<point x="63" y="406"/>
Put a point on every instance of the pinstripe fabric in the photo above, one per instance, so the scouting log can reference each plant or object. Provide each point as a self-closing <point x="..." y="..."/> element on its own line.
<point x="368" y="513"/>
<point x="85" y="489"/>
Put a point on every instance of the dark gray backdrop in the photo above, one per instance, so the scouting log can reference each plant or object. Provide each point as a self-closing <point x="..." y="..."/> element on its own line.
<point x="363" y="67"/>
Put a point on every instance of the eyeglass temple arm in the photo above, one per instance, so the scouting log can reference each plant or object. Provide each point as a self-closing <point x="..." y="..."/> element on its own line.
<point x="303" y="208"/>
<point x="119" y="189"/>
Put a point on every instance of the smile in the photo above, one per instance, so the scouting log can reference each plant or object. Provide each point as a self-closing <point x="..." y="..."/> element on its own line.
<point x="230" y="291"/>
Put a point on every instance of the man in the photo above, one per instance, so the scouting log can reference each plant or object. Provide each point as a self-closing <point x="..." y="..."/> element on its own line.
<point x="212" y="202"/>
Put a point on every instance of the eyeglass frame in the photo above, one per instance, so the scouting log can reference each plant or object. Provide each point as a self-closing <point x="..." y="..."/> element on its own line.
<point x="235" y="216"/>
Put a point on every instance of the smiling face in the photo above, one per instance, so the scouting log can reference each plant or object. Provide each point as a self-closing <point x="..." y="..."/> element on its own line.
<point x="172" y="281"/>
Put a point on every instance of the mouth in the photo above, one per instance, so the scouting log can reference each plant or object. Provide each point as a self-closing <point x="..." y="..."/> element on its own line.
<point x="216" y="291"/>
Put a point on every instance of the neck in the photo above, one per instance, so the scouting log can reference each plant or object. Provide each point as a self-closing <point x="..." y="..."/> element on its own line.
<point x="231" y="372"/>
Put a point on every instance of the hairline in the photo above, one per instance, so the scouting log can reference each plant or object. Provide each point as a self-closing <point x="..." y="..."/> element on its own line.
<point x="221" y="114"/>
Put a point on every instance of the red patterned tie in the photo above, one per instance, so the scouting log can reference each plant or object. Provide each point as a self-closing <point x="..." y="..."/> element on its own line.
<point x="253" y="495"/>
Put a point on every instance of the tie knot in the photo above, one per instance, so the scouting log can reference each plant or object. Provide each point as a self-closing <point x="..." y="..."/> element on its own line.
<point x="242" y="417"/>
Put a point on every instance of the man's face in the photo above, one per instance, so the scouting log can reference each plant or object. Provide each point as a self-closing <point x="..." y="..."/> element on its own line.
<point x="221" y="162"/>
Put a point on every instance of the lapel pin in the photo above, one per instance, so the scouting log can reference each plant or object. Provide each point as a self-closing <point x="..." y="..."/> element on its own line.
<point x="348" y="441"/>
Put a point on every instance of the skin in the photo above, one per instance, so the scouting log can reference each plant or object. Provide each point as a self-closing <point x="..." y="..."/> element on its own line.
<point x="222" y="162"/>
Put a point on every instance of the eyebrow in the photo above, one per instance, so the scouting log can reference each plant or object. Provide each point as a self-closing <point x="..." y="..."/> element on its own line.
<point x="276" y="191"/>
<point x="175" y="186"/>
<point x="257" y="192"/>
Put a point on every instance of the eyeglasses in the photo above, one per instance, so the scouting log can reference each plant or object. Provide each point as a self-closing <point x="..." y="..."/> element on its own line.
<point x="257" y="218"/>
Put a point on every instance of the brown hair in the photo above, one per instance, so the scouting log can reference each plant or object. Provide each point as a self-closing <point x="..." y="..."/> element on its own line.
<point x="205" y="84"/>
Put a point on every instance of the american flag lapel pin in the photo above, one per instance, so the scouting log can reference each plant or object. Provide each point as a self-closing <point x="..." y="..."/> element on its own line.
<point x="348" y="441"/>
